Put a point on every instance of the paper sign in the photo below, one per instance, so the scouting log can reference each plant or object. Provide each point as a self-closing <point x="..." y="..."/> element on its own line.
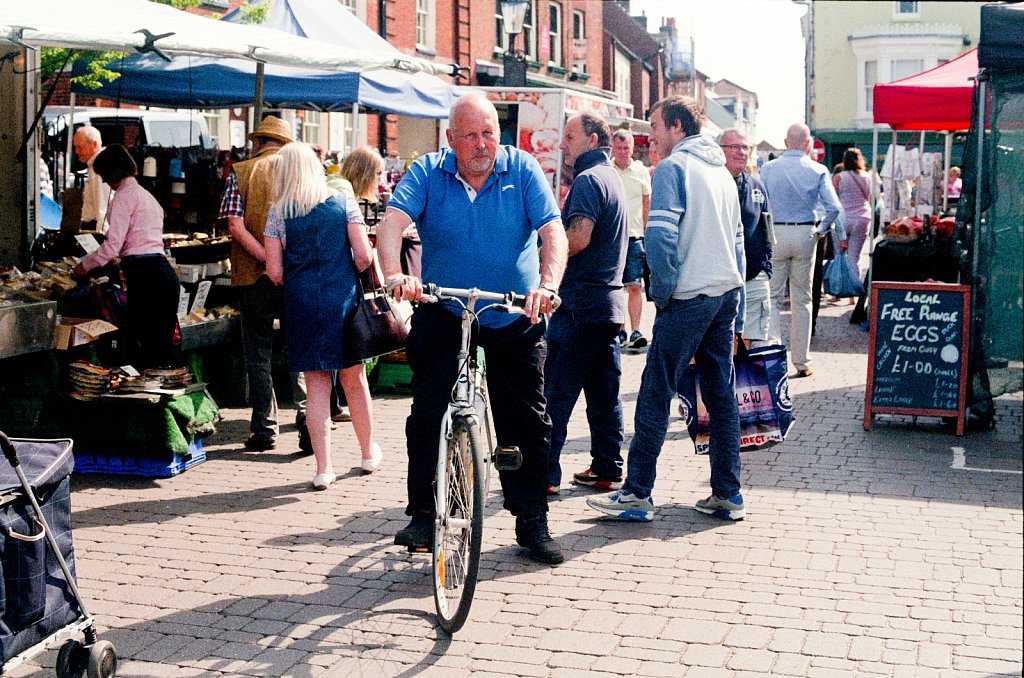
<point x="88" y="242"/>
<point x="201" y="292"/>
<point x="182" y="302"/>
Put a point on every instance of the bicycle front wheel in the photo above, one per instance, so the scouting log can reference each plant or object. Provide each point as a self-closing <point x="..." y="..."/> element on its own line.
<point x="459" y="529"/>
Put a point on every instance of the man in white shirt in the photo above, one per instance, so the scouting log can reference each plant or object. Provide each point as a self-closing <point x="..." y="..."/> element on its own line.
<point x="96" y="194"/>
<point x="637" y="181"/>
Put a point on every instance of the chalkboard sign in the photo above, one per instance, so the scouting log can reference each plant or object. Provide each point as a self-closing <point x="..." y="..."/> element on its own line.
<point x="917" y="358"/>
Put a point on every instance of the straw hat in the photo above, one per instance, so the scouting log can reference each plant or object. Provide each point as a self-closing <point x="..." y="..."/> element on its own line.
<point x="274" y="128"/>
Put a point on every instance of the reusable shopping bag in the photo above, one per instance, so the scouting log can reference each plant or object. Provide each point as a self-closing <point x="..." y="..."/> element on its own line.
<point x="840" y="280"/>
<point x="762" y="394"/>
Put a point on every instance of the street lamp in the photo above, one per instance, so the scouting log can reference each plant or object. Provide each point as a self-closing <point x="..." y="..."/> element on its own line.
<point x="513" y="15"/>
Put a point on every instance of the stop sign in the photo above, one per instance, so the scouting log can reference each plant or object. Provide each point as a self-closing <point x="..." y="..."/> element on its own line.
<point x="818" y="154"/>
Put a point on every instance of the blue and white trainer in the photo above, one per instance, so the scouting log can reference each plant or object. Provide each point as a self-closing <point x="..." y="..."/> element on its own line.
<point x="726" y="509"/>
<point x="623" y="505"/>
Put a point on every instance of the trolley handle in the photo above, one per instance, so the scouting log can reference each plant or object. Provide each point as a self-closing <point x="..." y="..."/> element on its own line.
<point x="9" y="451"/>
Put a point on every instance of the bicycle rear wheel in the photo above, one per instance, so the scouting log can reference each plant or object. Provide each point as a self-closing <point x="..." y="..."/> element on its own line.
<point x="459" y="529"/>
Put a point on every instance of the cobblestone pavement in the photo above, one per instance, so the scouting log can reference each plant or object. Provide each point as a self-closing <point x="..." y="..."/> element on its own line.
<point x="869" y="553"/>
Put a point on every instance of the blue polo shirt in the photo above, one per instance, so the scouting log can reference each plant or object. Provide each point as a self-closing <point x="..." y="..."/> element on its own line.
<point x="490" y="241"/>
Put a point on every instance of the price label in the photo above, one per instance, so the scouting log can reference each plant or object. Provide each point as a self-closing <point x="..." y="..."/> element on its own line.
<point x="201" y="293"/>
<point x="182" y="302"/>
<point x="88" y="242"/>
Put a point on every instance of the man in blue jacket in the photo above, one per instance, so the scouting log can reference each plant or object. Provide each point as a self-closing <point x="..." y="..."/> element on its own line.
<point x="695" y="252"/>
<point x="756" y="215"/>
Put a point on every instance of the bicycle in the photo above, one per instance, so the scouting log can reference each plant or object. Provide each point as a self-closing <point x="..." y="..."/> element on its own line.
<point x="464" y="461"/>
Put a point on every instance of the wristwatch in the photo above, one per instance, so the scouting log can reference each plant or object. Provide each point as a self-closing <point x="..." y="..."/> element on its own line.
<point x="550" y="287"/>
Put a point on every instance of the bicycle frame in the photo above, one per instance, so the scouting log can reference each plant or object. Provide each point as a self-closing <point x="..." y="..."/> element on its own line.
<point x="469" y="396"/>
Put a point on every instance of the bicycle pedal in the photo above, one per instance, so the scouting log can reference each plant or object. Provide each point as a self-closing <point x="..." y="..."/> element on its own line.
<point x="420" y="549"/>
<point x="508" y="458"/>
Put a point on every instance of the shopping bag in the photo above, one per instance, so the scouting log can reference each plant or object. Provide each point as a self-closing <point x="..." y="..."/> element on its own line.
<point x="762" y="395"/>
<point x="840" y="280"/>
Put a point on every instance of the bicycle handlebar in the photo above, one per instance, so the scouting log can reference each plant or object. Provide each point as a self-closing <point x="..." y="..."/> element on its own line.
<point x="433" y="293"/>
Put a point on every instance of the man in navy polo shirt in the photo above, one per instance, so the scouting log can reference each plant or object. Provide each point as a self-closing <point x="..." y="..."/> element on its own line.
<point x="482" y="210"/>
<point x="583" y="354"/>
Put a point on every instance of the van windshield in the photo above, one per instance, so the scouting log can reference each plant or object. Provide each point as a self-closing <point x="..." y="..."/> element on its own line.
<point x="174" y="133"/>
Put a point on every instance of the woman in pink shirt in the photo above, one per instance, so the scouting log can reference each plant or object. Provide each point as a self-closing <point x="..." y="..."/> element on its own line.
<point x="136" y="224"/>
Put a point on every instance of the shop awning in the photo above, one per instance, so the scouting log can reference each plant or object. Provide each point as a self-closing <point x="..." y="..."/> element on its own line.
<point x="939" y="99"/>
<point x="204" y="82"/>
<point x="133" y="25"/>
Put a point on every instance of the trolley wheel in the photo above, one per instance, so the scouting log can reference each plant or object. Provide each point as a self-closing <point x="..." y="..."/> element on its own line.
<point x="71" y="660"/>
<point x="102" y="660"/>
<point x="457" y="535"/>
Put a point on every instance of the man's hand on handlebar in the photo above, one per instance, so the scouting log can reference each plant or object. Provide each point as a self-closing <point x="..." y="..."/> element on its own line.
<point x="405" y="287"/>
<point x="540" y="301"/>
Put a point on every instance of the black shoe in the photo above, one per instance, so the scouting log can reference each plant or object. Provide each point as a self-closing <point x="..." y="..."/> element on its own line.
<point x="532" y="533"/>
<point x="305" y="443"/>
<point x="261" y="442"/>
<point x="419" y="533"/>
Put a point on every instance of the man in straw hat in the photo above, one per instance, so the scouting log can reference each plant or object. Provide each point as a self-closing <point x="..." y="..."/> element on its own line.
<point x="245" y="204"/>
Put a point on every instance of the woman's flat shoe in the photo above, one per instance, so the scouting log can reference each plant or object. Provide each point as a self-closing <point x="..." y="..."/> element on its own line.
<point x="321" y="481"/>
<point x="370" y="465"/>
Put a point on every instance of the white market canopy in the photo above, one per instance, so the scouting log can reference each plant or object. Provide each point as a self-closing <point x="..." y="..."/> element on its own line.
<point x="122" y="25"/>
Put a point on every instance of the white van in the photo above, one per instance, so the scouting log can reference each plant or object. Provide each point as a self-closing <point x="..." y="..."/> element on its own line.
<point x="133" y="128"/>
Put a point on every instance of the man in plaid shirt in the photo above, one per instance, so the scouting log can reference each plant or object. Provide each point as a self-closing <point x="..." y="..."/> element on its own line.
<point x="245" y="205"/>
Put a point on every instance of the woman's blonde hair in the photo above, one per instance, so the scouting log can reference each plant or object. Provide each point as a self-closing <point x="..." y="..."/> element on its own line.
<point x="361" y="168"/>
<point x="299" y="180"/>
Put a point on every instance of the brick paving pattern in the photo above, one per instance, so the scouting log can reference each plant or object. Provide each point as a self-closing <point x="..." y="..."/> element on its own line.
<point x="863" y="553"/>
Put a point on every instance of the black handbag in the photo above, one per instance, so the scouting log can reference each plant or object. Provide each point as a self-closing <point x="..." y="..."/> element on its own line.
<point x="376" y="326"/>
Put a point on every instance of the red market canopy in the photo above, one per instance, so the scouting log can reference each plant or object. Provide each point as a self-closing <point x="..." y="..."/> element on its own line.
<point x="939" y="99"/>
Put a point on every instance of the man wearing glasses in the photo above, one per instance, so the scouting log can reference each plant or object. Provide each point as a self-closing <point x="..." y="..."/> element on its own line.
<point x="756" y="214"/>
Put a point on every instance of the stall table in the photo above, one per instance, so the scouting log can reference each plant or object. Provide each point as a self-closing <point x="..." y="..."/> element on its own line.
<point x="915" y="262"/>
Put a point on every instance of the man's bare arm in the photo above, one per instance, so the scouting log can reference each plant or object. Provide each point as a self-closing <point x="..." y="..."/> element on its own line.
<point x="389" y="254"/>
<point x="578" y="234"/>
<point x="646" y="209"/>
<point x="249" y="242"/>
<point x="553" y="253"/>
<point x="552" y="266"/>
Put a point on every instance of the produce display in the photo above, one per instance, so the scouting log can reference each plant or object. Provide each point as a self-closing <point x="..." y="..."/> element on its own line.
<point x="51" y="281"/>
<point x="202" y="315"/>
<point x="910" y="229"/>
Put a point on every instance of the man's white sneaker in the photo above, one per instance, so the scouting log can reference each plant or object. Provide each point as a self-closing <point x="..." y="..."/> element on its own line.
<point x="623" y="505"/>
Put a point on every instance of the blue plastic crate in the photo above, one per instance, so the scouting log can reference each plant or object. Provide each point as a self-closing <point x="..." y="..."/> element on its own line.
<point x="128" y="465"/>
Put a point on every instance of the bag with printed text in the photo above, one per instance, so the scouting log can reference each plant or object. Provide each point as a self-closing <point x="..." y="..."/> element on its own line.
<point x="762" y="395"/>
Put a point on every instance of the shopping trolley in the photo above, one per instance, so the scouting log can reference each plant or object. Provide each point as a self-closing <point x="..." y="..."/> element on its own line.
<point x="40" y="606"/>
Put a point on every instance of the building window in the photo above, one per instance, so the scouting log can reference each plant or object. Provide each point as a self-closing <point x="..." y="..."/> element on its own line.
<point x="357" y="7"/>
<point x="870" y="78"/>
<point x="311" y="128"/>
<point x="529" y="39"/>
<point x="555" y="33"/>
<point x="623" y="89"/>
<point x="902" y="9"/>
<point x="904" y="68"/>
<point x="579" y="42"/>
<point x="425" y="24"/>
<point x="530" y="31"/>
